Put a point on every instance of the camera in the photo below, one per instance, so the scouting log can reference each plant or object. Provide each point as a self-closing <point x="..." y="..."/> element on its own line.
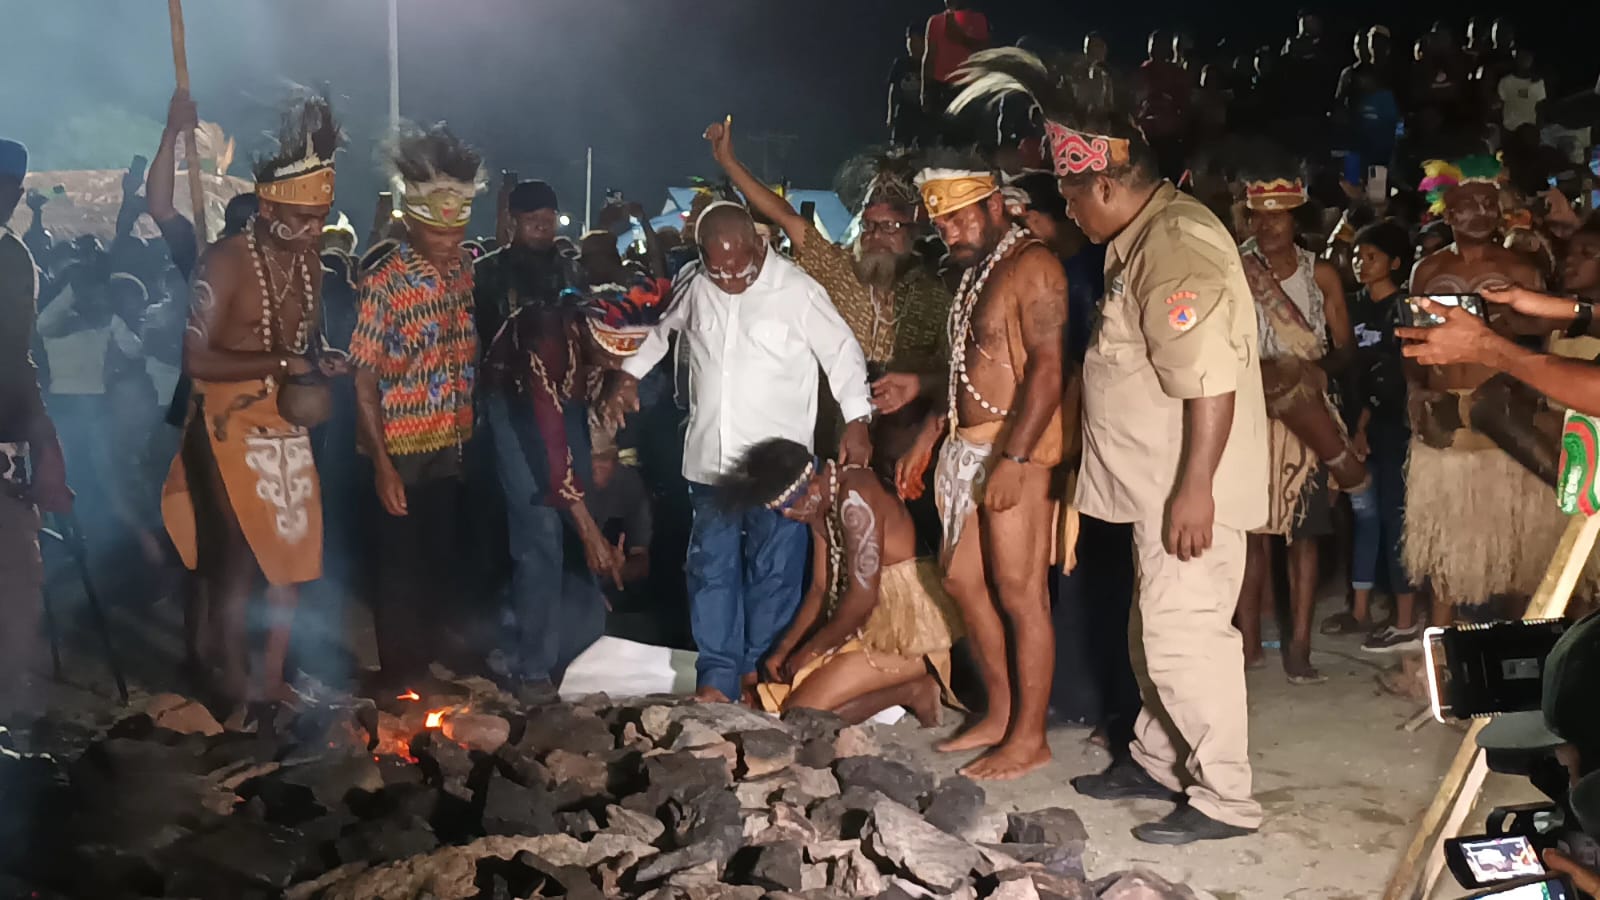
<point x="1535" y="677"/>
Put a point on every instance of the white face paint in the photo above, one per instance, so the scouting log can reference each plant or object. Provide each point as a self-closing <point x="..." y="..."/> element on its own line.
<point x="283" y="233"/>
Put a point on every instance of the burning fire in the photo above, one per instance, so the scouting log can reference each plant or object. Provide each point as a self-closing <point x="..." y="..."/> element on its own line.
<point x="435" y="718"/>
<point x="409" y="695"/>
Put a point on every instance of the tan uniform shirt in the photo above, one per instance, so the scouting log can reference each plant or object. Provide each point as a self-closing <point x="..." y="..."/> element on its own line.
<point x="1178" y="323"/>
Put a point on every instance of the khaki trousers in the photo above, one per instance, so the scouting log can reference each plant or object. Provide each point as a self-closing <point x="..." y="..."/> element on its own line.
<point x="1193" y="734"/>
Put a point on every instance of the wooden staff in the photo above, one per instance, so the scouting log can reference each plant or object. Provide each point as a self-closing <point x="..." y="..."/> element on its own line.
<point x="1459" y="790"/>
<point x="180" y="62"/>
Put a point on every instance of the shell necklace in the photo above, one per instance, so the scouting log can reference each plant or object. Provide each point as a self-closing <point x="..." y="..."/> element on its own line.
<point x="273" y="302"/>
<point x="966" y="303"/>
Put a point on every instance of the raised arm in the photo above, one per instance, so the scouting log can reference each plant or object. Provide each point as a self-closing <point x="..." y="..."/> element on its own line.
<point x="1038" y="286"/>
<point x="654" y="255"/>
<point x="762" y="199"/>
<point x="158" y="182"/>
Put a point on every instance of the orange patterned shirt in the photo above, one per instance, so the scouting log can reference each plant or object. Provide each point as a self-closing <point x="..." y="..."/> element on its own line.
<point x="415" y="332"/>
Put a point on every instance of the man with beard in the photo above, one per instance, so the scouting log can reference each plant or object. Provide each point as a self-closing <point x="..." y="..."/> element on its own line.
<point x="992" y="484"/>
<point x="533" y="269"/>
<point x="242" y="497"/>
<point x="1174" y="441"/>
<point x="894" y="307"/>
<point x="1456" y="473"/>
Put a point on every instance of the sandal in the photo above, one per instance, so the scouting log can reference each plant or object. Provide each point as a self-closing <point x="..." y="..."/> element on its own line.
<point x="1345" y="623"/>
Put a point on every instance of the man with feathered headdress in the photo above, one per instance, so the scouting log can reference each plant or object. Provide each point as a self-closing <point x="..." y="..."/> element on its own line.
<point x="416" y="351"/>
<point x="893" y="305"/>
<point x="1456" y="472"/>
<point x="243" y="494"/>
<point x="1174" y="442"/>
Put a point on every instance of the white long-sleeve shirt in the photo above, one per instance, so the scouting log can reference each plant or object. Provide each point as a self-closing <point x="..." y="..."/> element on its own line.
<point x="753" y="361"/>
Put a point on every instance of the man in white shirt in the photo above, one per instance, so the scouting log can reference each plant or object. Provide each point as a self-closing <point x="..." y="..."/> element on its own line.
<point x="755" y="329"/>
<point x="1521" y="93"/>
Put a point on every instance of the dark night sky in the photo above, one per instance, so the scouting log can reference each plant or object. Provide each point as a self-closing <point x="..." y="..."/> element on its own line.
<point x="533" y="82"/>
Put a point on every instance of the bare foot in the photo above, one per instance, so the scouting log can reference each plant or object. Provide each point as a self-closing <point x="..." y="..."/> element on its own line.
<point x="1098" y="738"/>
<point x="1257" y="661"/>
<point x="924" y="702"/>
<point x="986" y="733"/>
<point x="1008" y="761"/>
<point x="709" y="694"/>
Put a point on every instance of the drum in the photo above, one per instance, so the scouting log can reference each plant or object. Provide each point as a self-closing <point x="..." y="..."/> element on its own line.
<point x="1294" y="391"/>
<point x="1514" y="416"/>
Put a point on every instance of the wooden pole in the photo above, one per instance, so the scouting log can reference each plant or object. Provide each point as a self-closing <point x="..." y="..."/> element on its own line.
<point x="1459" y="789"/>
<point x="180" y="62"/>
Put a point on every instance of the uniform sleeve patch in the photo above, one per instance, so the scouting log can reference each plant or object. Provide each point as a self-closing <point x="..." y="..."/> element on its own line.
<point x="1182" y="297"/>
<point x="1181" y="317"/>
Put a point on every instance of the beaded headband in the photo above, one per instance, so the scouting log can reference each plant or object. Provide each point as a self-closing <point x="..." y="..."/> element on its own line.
<point x="441" y="203"/>
<point x="788" y="494"/>
<point x="1277" y="194"/>
<point x="311" y="188"/>
<point x="945" y="191"/>
<point x="1076" y="152"/>
<point x="624" y="341"/>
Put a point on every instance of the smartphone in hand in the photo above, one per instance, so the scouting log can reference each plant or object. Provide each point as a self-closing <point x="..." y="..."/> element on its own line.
<point x="1412" y="315"/>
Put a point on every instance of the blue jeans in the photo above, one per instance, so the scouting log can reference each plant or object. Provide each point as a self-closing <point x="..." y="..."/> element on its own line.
<point x="744" y="574"/>
<point x="1379" y="514"/>
<point x="557" y="600"/>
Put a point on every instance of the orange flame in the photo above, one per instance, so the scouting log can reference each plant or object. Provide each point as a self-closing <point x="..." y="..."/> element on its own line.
<point x="409" y="695"/>
<point x="435" y="719"/>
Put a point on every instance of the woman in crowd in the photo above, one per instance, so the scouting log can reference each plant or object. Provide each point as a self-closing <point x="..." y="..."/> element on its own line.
<point x="875" y="628"/>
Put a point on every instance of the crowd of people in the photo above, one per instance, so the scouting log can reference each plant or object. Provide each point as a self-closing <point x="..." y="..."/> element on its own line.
<point x="1099" y="348"/>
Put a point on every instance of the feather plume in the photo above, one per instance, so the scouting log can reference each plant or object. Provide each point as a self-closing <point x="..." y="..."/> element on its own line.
<point x="308" y="137"/>
<point x="420" y="156"/>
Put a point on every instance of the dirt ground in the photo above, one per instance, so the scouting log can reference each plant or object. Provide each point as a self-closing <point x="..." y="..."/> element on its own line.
<point x="1341" y="783"/>
<point x="1342" y="786"/>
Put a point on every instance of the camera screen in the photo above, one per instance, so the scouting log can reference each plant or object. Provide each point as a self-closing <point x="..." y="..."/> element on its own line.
<point x="1502" y="859"/>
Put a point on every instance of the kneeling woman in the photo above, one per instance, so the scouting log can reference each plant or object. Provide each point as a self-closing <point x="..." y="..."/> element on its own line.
<point x="875" y="628"/>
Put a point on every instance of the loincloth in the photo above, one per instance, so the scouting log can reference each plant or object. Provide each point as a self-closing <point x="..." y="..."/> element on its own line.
<point x="268" y="479"/>
<point x="914" y="618"/>
<point x="1480" y="523"/>
<point x="964" y="464"/>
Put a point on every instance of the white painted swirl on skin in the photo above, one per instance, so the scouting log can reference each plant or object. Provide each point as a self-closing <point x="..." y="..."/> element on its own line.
<point x="861" y="524"/>
<point x="282" y="232"/>
<point x="201" y="304"/>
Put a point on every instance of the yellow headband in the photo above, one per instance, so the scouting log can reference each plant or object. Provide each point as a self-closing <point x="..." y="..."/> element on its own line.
<point x="440" y="204"/>
<point x="314" y="188"/>
<point x="944" y="193"/>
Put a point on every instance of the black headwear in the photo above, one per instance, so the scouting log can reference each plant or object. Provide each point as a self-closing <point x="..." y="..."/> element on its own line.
<point x="532" y="196"/>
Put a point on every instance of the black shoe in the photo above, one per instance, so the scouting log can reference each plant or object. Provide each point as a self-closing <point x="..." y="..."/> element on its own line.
<point x="1185" y="825"/>
<point x="1122" y="781"/>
